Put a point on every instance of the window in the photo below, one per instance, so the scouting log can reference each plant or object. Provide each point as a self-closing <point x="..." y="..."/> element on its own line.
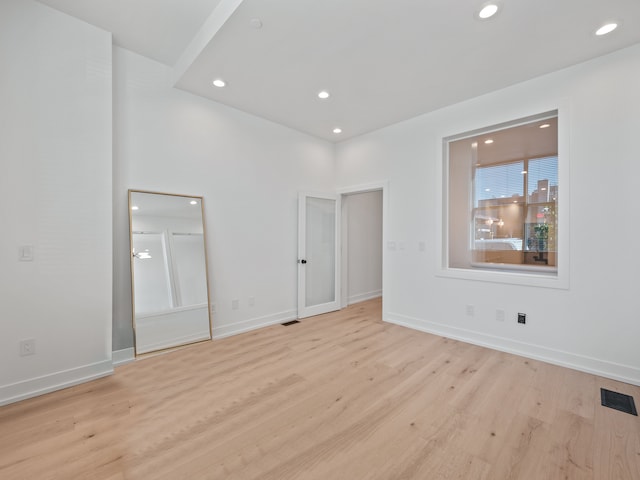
<point x="502" y="197"/>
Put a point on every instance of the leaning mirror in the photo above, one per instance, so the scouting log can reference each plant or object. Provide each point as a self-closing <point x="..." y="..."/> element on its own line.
<point x="168" y="270"/>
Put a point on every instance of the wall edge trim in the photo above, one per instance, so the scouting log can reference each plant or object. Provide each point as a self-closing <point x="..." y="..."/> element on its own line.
<point x="123" y="356"/>
<point x="34" y="387"/>
<point x="603" y="368"/>
<point x="253" y="324"/>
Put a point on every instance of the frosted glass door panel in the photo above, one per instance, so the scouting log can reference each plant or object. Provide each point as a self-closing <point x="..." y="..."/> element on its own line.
<point x="189" y="261"/>
<point x="151" y="279"/>
<point x="320" y="251"/>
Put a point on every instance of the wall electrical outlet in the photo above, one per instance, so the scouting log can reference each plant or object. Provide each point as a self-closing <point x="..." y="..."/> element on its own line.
<point x="252" y="301"/>
<point x="235" y="304"/>
<point x="470" y="311"/>
<point x="213" y="308"/>
<point x="27" y="347"/>
<point x="500" y="315"/>
<point x="522" y="318"/>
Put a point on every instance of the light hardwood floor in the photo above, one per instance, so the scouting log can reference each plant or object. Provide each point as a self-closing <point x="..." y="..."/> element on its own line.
<point x="338" y="396"/>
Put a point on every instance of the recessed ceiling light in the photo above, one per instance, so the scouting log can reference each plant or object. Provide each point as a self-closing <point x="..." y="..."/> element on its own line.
<point x="219" y="83"/>
<point x="337" y="130"/>
<point x="488" y="141"/>
<point x="256" y="23"/>
<point x="488" y="11"/>
<point x="193" y="202"/>
<point x="134" y="207"/>
<point x="323" y="94"/>
<point x="606" y="28"/>
<point x="545" y="125"/>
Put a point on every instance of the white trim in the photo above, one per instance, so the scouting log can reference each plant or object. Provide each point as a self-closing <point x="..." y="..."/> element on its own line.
<point x="174" y="342"/>
<point x="303" y="310"/>
<point x="559" y="280"/>
<point x="122" y="357"/>
<point x="363" y="297"/>
<point x="253" y="324"/>
<point x="603" y="368"/>
<point x="382" y="185"/>
<point x="159" y="313"/>
<point x="54" y="381"/>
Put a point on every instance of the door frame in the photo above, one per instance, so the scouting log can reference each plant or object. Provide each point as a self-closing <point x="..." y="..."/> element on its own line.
<point x="303" y="310"/>
<point x="344" y="237"/>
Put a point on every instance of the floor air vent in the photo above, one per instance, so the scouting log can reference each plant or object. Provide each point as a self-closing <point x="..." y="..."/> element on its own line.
<point x="618" y="401"/>
<point x="286" y="324"/>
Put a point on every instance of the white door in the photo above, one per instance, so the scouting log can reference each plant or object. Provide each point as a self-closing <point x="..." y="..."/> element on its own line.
<point x="318" y="258"/>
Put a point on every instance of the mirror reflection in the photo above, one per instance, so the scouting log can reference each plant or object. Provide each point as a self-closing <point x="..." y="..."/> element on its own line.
<point x="168" y="268"/>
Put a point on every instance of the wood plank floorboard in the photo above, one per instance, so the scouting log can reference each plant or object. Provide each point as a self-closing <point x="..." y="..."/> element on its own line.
<point x="337" y="396"/>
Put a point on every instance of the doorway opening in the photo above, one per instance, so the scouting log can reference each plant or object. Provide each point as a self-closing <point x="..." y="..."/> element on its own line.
<point x="361" y="245"/>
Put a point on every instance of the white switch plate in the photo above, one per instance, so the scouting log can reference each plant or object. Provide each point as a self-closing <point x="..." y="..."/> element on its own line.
<point x="25" y="253"/>
<point x="27" y="347"/>
<point x="235" y="304"/>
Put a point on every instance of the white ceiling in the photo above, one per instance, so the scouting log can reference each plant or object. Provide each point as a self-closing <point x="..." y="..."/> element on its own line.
<point x="382" y="61"/>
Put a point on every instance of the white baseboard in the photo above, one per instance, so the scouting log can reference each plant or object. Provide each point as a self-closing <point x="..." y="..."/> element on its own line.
<point x="254" y="323"/>
<point x="124" y="356"/>
<point x="174" y="342"/>
<point x="603" y="368"/>
<point x="54" y="381"/>
<point x="363" y="297"/>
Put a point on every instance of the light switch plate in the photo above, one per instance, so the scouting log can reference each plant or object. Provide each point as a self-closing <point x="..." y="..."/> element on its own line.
<point x="25" y="253"/>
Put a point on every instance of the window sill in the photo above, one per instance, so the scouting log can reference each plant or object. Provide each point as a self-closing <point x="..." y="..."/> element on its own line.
<point x="532" y="276"/>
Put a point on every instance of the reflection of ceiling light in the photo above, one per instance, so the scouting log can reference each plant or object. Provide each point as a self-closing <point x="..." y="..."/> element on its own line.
<point x="515" y="201"/>
<point x="545" y="125"/>
<point x="543" y="188"/>
<point x="142" y="255"/>
<point x="488" y="11"/>
<point x="134" y="207"/>
<point x="337" y="130"/>
<point x="323" y="94"/>
<point x="607" y="28"/>
<point x="219" y="83"/>
<point x="488" y="141"/>
<point x="193" y="202"/>
<point x="474" y="145"/>
<point x="487" y="189"/>
<point x="523" y="172"/>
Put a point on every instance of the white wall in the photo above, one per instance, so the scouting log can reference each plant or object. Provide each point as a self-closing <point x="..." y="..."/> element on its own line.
<point x="594" y="324"/>
<point x="364" y="245"/>
<point x="248" y="170"/>
<point x="55" y="194"/>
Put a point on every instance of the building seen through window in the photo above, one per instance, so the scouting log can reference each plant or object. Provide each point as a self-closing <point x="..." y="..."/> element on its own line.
<point x="503" y="197"/>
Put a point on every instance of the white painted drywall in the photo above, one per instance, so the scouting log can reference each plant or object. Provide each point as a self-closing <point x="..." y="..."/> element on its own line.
<point x="594" y="324"/>
<point x="55" y="194"/>
<point x="249" y="171"/>
<point x="364" y="245"/>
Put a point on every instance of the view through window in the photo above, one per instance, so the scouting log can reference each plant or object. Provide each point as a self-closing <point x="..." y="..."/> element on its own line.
<point x="503" y="197"/>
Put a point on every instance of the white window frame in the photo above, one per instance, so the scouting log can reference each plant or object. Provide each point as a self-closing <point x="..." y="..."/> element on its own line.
<point x="509" y="274"/>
